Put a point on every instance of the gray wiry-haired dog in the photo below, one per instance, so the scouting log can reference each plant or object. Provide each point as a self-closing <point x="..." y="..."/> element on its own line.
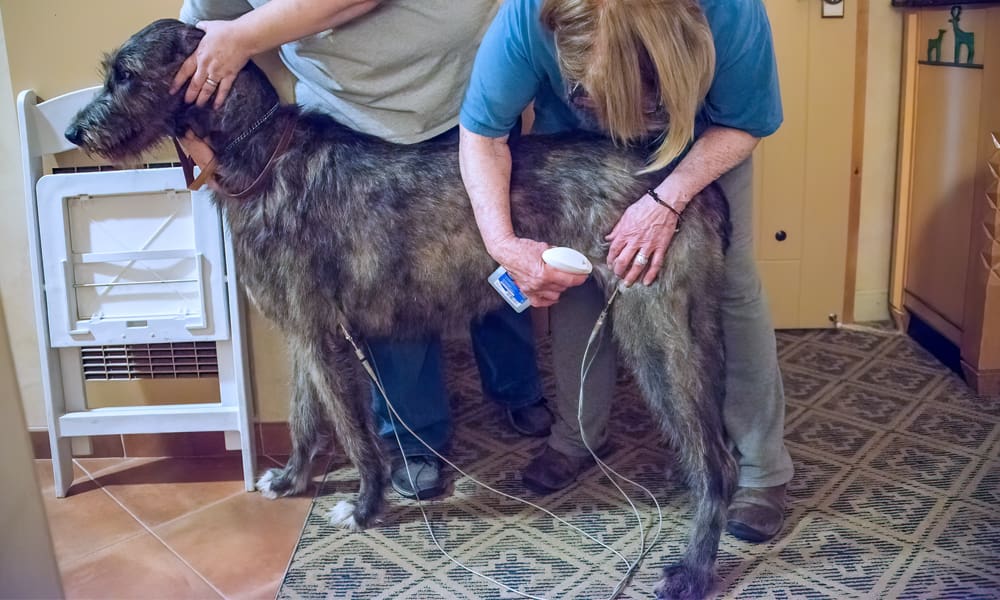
<point x="346" y="228"/>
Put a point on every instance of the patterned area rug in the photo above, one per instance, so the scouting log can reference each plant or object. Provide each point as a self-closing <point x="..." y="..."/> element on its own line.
<point x="896" y="495"/>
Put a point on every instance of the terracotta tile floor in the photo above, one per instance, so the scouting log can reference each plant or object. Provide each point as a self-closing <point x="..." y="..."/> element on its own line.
<point x="170" y="528"/>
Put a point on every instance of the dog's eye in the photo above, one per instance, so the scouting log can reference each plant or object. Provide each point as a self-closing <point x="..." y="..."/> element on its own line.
<point x="123" y="75"/>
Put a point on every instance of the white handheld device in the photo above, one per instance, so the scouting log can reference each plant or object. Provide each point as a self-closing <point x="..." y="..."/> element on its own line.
<point x="563" y="259"/>
<point x="568" y="260"/>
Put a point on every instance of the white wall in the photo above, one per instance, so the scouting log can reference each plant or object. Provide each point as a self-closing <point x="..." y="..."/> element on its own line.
<point x="27" y="561"/>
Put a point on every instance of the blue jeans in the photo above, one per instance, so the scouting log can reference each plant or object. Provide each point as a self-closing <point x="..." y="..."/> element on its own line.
<point x="412" y="375"/>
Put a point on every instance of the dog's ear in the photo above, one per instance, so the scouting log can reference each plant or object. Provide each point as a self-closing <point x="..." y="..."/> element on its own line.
<point x="195" y="118"/>
<point x="173" y="39"/>
<point x="187" y="39"/>
<point x="199" y="121"/>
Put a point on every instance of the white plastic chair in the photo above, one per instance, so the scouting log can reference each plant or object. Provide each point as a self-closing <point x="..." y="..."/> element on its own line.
<point x="126" y="257"/>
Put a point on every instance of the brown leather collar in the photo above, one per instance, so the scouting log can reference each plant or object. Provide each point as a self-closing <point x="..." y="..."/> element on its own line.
<point x="207" y="173"/>
<point x="187" y="165"/>
<point x="286" y="139"/>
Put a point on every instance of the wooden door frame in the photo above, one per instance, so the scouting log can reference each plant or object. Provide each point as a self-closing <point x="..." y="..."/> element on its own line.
<point x="857" y="159"/>
<point x="901" y="224"/>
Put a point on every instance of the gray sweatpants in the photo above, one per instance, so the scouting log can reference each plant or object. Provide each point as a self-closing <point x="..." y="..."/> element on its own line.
<point x="754" y="409"/>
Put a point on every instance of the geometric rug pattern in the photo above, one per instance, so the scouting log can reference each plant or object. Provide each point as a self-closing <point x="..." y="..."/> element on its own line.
<point x="896" y="495"/>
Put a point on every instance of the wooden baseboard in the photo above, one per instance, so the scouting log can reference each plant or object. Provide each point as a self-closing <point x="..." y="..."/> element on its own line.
<point x="932" y="340"/>
<point x="273" y="439"/>
<point x="900" y="317"/>
<point x="938" y="322"/>
<point x="985" y="383"/>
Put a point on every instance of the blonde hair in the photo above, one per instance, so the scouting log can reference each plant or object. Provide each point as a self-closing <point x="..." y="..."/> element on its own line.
<point x="609" y="47"/>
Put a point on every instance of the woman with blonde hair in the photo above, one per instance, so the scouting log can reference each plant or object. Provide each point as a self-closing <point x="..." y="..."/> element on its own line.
<point x="696" y="82"/>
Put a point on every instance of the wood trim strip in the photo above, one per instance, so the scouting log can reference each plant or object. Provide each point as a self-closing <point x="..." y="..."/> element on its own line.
<point x="857" y="159"/>
<point x="935" y="320"/>
<point x="904" y="171"/>
<point x="985" y="382"/>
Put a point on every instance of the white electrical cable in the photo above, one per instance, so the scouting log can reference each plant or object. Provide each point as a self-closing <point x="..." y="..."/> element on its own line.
<point x="607" y="470"/>
<point x="644" y="550"/>
<point x="393" y="415"/>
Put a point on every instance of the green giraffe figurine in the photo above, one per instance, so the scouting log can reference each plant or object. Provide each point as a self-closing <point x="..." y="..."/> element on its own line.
<point x="962" y="38"/>
<point x="934" y="47"/>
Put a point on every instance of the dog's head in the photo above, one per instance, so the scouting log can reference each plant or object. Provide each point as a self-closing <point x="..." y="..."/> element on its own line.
<point x="135" y="109"/>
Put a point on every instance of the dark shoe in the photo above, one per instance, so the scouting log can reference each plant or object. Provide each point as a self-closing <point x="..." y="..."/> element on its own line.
<point x="552" y="470"/>
<point x="533" y="420"/>
<point x="425" y="472"/>
<point x="757" y="514"/>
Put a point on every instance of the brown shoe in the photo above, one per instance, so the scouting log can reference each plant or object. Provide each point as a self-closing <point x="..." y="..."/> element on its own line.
<point x="552" y="470"/>
<point x="757" y="514"/>
<point x="533" y="421"/>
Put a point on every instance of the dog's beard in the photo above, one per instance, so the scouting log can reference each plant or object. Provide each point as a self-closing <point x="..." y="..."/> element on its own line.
<point x="122" y="146"/>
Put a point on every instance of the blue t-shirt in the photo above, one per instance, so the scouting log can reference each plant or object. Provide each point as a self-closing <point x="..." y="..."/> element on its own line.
<point x="517" y="63"/>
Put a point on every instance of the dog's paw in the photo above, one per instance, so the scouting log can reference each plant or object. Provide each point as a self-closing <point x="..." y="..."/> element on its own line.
<point x="342" y="515"/>
<point x="265" y="485"/>
<point x="682" y="583"/>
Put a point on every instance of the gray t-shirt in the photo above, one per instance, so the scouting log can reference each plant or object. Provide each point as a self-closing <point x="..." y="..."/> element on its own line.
<point x="398" y="72"/>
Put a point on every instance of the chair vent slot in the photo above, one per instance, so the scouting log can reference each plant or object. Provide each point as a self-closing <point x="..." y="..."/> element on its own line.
<point x="150" y="361"/>
<point x="101" y="168"/>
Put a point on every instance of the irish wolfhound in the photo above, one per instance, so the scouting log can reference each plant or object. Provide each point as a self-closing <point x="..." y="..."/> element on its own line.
<point x="333" y="227"/>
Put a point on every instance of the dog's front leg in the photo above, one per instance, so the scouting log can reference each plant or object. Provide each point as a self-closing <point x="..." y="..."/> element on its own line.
<point x="309" y="425"/>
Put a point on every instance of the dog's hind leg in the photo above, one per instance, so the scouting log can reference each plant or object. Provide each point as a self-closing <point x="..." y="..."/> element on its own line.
<point x="674" y="344"/>
<point x="310" y="428"/>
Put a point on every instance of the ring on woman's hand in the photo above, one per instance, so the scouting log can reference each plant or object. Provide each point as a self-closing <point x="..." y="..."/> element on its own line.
<point x="641" y="259"/>
<point x="211" y="82"/>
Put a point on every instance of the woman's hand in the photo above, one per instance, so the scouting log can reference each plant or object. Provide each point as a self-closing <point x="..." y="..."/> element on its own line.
<point x="214" y="65"/>
<point x="539" y="282"/>
<point x="641" y="237"/>
<point x="485" y="164"/>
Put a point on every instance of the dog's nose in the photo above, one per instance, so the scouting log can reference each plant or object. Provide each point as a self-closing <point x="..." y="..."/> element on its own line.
<point x="74" y="134"/>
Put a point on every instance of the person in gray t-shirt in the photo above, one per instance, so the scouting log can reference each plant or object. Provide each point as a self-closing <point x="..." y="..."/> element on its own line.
<point x="396" y="70"/>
